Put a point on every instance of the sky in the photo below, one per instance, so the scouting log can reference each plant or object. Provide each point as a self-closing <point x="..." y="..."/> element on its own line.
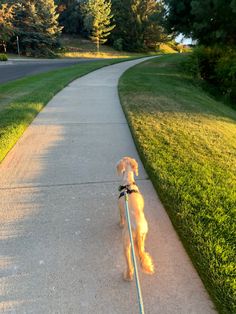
<point x="182" y="39"/>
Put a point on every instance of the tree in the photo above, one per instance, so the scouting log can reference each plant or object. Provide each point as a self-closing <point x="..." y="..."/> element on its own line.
<point x="70" y="16"/>
<point x="209" y="21"/>
<point x="46" y="9"/>
<point x="153" y="31"/>
<point x="97" y="20"/>
<point x="138" y="23"/>
<point x="37" y="26"/>
<point x="6" y="27"/>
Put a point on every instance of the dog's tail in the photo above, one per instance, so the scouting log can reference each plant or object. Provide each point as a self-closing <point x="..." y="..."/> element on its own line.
<point x="145" y="258"/>
<point x="147" y="263"/>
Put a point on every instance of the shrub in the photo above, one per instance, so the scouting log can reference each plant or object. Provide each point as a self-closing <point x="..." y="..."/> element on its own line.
<point x="216" y="65"/>
<point x="226" y="74"/>
<point x="3" y="57"/>
<point x="40" y="53"/>
<point x="118" y="44"/>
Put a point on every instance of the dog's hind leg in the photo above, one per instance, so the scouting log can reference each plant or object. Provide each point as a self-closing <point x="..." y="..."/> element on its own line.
<point x="135" y="244"/>
<point x="122" y="214"/>
<point x="128" y="274"/>
<point x="145" y="258"/>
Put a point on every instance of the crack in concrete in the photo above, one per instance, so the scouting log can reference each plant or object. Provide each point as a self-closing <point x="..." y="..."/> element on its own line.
<point x="84" y="123"/>
<point x="66" y="184"/>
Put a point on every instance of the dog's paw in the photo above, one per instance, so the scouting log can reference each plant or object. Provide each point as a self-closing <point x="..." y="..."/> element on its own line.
<point x="128" y="276"/>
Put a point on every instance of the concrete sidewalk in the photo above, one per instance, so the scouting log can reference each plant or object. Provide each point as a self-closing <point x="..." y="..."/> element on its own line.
<point x="60" y="243"/>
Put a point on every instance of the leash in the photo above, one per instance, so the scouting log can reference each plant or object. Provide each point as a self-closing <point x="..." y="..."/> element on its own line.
<point x="139" y="292"/>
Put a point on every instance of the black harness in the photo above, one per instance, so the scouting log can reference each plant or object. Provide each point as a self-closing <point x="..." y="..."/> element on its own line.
<point x="126" y="189"/>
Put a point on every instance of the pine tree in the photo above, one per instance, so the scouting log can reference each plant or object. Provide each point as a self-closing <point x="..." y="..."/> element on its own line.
<point x="97" y="20"/>
<point x="70" y="16"/>
<point x="138" y="23"/>
<point x="37" y="26"/>
<point x="47" y="12"/>
<point x="6" y="27"/>
<point x="149" y="13"/>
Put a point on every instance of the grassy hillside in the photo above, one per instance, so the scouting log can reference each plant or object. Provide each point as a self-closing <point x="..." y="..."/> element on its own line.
<point x="77" y="47"/>
<point x="187" y="141"/>
<point x="84" y="48"/>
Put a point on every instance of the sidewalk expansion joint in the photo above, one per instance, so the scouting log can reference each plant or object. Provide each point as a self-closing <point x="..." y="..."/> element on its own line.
<point x="81" y="123"/>
<point x="65" y="184"/>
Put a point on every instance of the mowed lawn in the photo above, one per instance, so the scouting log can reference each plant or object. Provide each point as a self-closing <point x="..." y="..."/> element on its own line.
<point x="187" y="142"/>
<point x="22" y="100"/>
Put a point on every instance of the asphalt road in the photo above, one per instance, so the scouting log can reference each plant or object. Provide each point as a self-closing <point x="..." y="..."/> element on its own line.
<point x="16" y="69"/>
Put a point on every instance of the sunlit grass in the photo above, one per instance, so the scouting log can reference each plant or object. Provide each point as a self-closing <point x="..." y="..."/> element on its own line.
<point x="93" y="55"/>
<point x="164" y="48"/>
<point x="22" y="100"/>
<point x="187" y="141"/>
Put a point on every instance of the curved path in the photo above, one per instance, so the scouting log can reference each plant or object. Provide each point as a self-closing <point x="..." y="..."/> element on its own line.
<point x="60" y="244"/>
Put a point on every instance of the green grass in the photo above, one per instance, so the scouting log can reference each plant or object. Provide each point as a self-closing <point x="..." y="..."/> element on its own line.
<point x="22" y="100"/>
<point x="187" y="141"/>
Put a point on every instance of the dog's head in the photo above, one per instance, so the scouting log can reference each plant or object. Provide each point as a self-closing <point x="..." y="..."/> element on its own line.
<point x="127" y="164"/>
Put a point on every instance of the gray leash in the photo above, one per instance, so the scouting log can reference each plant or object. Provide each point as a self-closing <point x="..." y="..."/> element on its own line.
<point x="139" y="292"/>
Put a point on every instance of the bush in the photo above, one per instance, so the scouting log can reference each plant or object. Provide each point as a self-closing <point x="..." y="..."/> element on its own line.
<point x="42" y="52"/>
<point x="226" y="74"/>
<point x="3" y="57"/>
<point x="216" y="65"/>
<point x="118" y="44"/>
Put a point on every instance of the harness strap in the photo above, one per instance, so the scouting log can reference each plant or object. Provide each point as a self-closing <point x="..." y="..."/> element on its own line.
<point x="123" y="187"/>
<point x="128" y="192"/>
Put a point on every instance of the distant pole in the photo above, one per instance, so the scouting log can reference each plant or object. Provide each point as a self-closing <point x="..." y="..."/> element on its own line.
<point x="18" y="45"/>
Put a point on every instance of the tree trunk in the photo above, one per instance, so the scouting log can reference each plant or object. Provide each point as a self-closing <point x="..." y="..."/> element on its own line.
<point x="97" y="42"/>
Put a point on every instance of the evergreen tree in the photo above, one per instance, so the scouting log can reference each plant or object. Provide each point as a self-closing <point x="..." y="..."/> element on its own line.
<point x="37" y="26"/>
<point x="70" y="16"/>
<point x="46" y="10"/>
<point x="151" y="12"/>
<point x="138" y="23"/>
<point x="128" y="24"/>
<point x="97" y="20"/>
<point x="6" y="27"/>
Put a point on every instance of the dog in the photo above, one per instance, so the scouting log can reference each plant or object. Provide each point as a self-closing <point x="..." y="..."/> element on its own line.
<point x="126" y="168"/>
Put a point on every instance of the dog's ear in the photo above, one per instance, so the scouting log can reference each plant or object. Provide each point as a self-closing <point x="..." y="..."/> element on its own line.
<point x="120" y="167"/>
<point x="134" y="166"/>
